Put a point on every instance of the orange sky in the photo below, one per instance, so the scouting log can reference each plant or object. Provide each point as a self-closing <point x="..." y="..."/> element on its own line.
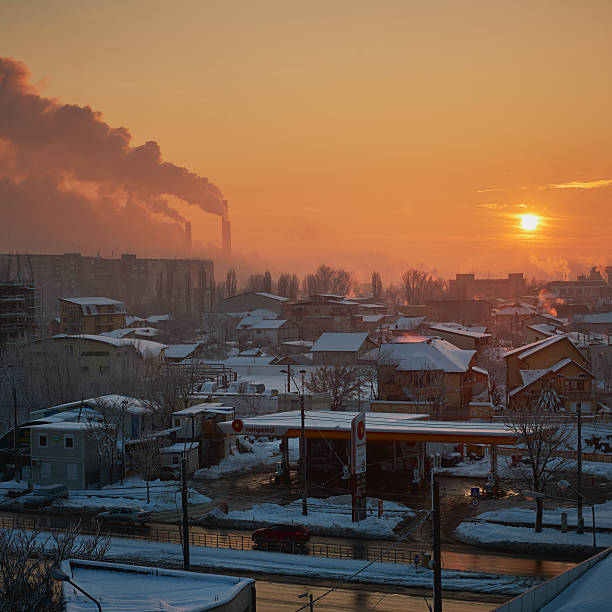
<point x="363" y="134"/>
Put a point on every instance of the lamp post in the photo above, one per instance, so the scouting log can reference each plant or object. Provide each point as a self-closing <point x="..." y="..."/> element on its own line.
<point x="58" y="574"/>
<point x="303" y="479"/>
<point x="581" y="379"/>
<point x="16" y="458"/>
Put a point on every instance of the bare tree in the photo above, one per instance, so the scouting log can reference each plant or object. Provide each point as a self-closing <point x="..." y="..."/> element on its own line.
<point x="377" y="286"/>
<point x="328" y="280"/>
<point x="544" y="440"/>
<point x="288" y="285"/>
<point x="394" y="295"/>
<point x="26" y="561"/>
<point x="420" y="286"/>
<point x="342" y="382"/>
<point x="103" y="431"/>
<point x="231" y="283"/>
<point x="255" y="283"/>
<point x="267" y="282"/>
<point x="145" y="457"/>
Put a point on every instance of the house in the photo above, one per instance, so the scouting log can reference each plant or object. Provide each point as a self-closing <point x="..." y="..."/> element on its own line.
<point x="93" y="360"/>
<point x="177" y="352"/>
<point x="62" y="453"/>
<point x="540" y="355"/>
<point x="245" y="302"/>
<point x="429" y="372"/>
<point x="462" y="337"/>
<point x="324" y="312"/>
<point x="538" y="331"/>
<point x="266" y="331"/>
<point x="91" y="315"/>
<point x="142" y="589"/>
<point x="341" y="348"/>
<point x="407" y="326"/>
<point x="468" y="287"/>
<point x="599" y="323"/>
<point x="464" y="311"/>
<point x="570" y="381"/>
<point x="143" y="333"/>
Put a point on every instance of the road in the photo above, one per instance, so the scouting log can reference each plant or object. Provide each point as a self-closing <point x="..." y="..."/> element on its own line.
<point x="284" y="597"/>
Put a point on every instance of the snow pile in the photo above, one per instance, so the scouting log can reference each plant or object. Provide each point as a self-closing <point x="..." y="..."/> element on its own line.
<point x="262" y="453"/>
<point x="165" y="495"/>
<point x="481" y="468"/>
<point x="331" y="516"/>
<point x="603" y="515"/>
<point x="504" y="536"/>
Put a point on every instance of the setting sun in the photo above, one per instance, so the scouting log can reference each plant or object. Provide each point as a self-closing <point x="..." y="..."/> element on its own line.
<point x="529" y="222"/>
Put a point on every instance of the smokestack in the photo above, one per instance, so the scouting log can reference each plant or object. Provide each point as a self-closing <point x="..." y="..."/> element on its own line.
<point x="188" y="234"/>
<point x="226" y="231"/>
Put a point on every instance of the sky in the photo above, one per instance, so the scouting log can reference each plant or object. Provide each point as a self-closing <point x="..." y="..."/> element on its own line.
<point x="367" y="135"/>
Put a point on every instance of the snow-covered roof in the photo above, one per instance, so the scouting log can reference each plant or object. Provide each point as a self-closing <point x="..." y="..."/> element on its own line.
<point x="62" y="426"/>
<point x="248" y="361"/>
<point x="144" y="347"/>
<point x="298" y="343"/>
<point x="158" y="318"/>
<point x="430" y="354"/>
<point x="89" y="305"/>
<point x="513" y="311"/>
<point x="534" y="347"/>
<point x="181" y="351"/>
<point x="480" y="370"/>
<point x="544" y="328"/>
<point x="199" y="409"/>
<point x="123" y="588"/>
<point x="255" y="323"/>
<point x="407" y="323"/>
<point x="599" y="317"/>
<point x="372" y="318"/>
<point x="119" y="333"/>
<point x="179" y="447"/>
<point x="459" y="331"/>
<point x="131" y="319"/>
<point x="273" y="296"/>
<point x="340" y="342"/>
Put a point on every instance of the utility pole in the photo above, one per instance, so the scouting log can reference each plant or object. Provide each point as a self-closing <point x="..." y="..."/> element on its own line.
<point x="580" y="528"/>
<point x="16" y="437"/>
<point x="303" y="452"/>
<point x="185" y="513"/>
<point x="288" y="378"/>
<point x="435" y="515"/>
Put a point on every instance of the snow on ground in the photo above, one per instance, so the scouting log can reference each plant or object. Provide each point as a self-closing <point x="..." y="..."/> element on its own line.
<point x="603" y="515"/>
<point x="264" y="453"/>
<point x="165" y="495"/>
<point x="154" y="553"/>
<point x="482" y="532"/>
<point x="481" y="468"/>
<point x="330" y="516"/>
<point x="597" y="468"/>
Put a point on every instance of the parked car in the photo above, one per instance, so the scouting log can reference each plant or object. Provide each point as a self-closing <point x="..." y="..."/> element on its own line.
<point x="124" y="516"/>
<point x="291" y="534"/>
<point x="39" y="498"/>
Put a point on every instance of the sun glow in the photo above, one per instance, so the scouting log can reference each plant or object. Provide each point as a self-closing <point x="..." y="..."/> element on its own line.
<point x="529" y="222"/>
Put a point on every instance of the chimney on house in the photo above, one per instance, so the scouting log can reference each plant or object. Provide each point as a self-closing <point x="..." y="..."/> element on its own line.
<point x="226" y="232"/>
<point x="188" y="234"/>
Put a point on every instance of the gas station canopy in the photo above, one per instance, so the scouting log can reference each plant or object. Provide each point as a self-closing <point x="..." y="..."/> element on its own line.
<point x="380" y="427"/>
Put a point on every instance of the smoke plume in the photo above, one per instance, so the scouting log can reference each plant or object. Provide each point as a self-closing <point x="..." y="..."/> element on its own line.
<point x="67" y="157"/>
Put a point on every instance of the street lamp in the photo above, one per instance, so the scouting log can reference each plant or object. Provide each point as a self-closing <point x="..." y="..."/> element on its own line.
<point x="303" y="481"/>
<point x="564" y="485"/>
<point x="58" y="574"/>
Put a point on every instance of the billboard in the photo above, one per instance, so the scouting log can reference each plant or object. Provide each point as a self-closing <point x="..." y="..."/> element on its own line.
<point x="358" y="443"/>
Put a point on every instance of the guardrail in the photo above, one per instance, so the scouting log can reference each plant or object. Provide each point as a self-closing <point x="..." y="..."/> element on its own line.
<point x="224" y="540"/>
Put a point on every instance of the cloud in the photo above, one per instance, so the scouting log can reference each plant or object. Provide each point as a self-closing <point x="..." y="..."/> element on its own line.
<point x="493" y="206"/>
<point x="486" y="190"/>
<point x="581" y="184"/>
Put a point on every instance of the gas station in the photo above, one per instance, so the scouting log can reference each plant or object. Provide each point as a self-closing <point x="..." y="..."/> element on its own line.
<point x="400" y="448"/>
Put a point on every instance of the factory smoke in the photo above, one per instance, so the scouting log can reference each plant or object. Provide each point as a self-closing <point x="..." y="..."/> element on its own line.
<point x="67" y="157"/>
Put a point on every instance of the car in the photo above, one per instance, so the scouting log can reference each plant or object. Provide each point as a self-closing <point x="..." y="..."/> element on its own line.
<point x="39" y="498"/>
<point x="124" y="516"/>
<point x="290" y="534"/>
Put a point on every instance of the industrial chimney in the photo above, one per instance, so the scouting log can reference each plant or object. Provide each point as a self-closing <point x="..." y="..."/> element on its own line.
<point x="188" y="234"/>
<point x="226" y="232"/>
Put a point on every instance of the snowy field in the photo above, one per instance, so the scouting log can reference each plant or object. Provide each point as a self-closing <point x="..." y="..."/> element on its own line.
<point x="330" y="516"/>
<point x="236" y="561"/>
<point x="165" y="495"/>
<point x="263" y="454"/>
<point x="481" y="468"/>
<point x="504" y="536"/>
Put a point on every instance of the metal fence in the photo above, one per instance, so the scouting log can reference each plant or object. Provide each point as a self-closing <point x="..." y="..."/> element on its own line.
<point x="223" y="540"/>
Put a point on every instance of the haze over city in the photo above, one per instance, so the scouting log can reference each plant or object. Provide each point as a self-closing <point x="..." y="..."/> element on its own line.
<point x="367" y="136"/>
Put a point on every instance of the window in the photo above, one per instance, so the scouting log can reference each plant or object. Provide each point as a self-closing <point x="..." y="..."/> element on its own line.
<point x="45" y="470"/>
<point x="69" y="349"/>
<point x="104" y="369"/>
<point x="71" y="471"/>
<point x="175" y="459"/>
<point x="177" y="422"/>
<point x="42" y="440"/>
<point x="84" y="369"/>
<point x="68" y="441"/>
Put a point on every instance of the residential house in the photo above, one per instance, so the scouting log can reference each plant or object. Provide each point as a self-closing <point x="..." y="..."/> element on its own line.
<point x="462" y="337"/>
<point x="91" y="315"/>
<point x="341" y="348"/>
<point x="177" y="352"/>
<point x="407" y="326"/>
<point x="266" y="331"/>
<point x="429" y="372"/>
<point x="463" y="311"/>
<point x="321" y="313"/>
<point x="251" y="300"/>
<point x="598" y="323"/>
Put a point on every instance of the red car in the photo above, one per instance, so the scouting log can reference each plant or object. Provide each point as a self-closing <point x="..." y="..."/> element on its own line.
<point x="297" y="534"/>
